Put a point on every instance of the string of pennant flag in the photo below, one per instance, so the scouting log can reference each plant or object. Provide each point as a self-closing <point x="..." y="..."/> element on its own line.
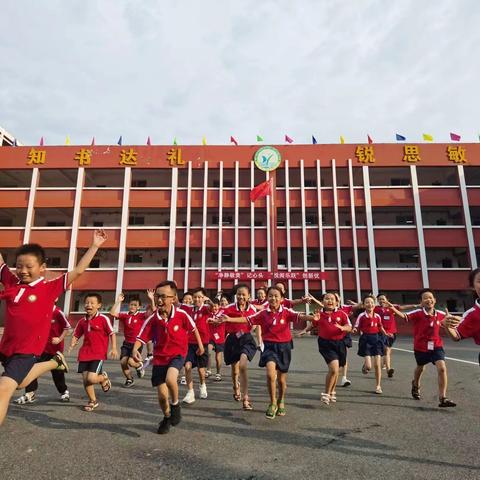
<point x="454" y="137"/>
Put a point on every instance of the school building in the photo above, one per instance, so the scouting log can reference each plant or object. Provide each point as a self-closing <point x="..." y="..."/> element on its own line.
<point x="381" y="217"/>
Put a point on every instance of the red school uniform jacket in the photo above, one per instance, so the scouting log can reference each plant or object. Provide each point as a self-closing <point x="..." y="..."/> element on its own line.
<point x="426" y="329"/>
<point x="388" y="318"/>
<point x="96" y="332"/>
<point x="199" y="317"/>
<point x="59" y="324"/>
<point x="368" y="324"/>
<point x="217" y="331"/>
<point x="326" y="328"/>
<point x="275" y="325"/>
<point x="132" y="323"/>
<point x="234" y="311"/>
<point x="470" y="324"/>
<point x="170" y="336"/>
<point x="28" y="312"/>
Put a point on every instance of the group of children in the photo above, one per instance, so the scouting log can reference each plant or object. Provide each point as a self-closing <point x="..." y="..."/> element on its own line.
<point x="184" y="335"/>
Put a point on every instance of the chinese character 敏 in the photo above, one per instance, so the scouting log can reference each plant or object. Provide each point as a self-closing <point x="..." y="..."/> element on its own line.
<point x="456" y="154"/>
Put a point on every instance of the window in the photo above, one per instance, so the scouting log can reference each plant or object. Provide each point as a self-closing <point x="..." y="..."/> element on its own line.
<point x="136" y="220"/>
<point x="134" y="258"/>
<point x="139" y="183"/>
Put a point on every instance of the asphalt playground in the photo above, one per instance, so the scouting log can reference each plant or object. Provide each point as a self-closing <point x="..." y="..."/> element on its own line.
<point x="362" y="436"/>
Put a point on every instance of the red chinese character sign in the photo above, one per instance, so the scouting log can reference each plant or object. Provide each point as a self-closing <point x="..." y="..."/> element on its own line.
<point x="231" y="275"/>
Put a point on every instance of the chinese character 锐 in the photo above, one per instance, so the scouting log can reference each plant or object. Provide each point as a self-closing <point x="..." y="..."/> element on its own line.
<point x="174" y="156"/>
<point x="411" y="154"/>
<point x="36" y="157"/>
<point x="128" y="157"/>
<point x="365" y="154"/>
<point x="456" y="154"/>
<point x="83" y="157"/>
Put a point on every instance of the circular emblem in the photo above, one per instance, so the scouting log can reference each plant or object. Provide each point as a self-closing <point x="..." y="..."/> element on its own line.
<point x="282" y="321"/>
<point x="267" y="158"/>
<point x="175" y="328"/>
<point x="32" y="298"/>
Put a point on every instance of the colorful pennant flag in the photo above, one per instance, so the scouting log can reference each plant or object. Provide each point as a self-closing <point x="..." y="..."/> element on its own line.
<point x="288" y="139"/>
<point x="148" y="141"/>
<point x="174" y="140"/>
<point x="233" y="140"/>
<point x="67" y="140"/>
<point x="455" y="137"/>
<point x="427" y="137"/>
<point x="342" y="140"/>
<point x="399" y="138"/>
<point x="369" y="138"/>
<point x="260" y="191"/>
<point x="119" y="140"/>
<point x="41" y="142"/>
<point x="93" y="141"/>
<point x="259" y="138"/>
<point x="314" y="140"/>
<point x="204" y="141"/>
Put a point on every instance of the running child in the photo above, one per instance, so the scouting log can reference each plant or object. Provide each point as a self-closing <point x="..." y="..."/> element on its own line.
<point x="29" y="305"/>
<point x="170" y="327"/>
<point x="370" y="344"/>
<point x="55" y="343"/>
<point x="217" y="337"/>
<point x="96" y="330"/>
<point x="187" y="299"/>
<point x="427" y="344"/>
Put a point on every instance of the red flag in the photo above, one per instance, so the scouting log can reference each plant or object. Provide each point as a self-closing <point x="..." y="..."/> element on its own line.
<point x="455" y="137"/>
<point x="41" y="142"/>
<point x="93" y="141"/>
<point x="260" y="191"/>
<point x="232" y="140"/>
<point x="369" y="139"/>
<point x="148" y="141"/>
<point x="288" y="139"/>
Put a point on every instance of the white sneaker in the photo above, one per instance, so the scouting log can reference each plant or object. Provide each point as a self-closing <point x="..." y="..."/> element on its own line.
<point x="183" y="380"/>
<point x="203" y="390"/>
<point x="147" y="361"/>
<point x="333" y="397"/>
<point x="208" y="373"/>
<point x="65" y="397"/>
<point x="189" y="397"/>
<point x="29" y="397"/>
<point x="345" y="382"/>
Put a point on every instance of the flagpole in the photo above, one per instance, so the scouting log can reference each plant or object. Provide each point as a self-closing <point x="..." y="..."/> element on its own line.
<point x="273" y="222"/>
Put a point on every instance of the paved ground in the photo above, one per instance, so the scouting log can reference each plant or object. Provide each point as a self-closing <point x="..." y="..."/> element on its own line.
<point x="363" y="436"/>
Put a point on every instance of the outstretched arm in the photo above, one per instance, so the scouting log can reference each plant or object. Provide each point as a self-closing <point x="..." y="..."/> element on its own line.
<point x="115" y="310"/>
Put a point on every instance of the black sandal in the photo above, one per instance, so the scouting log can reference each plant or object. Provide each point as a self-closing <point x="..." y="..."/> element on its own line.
<point x="445" y="402"/>
<point x="415" y="391"/>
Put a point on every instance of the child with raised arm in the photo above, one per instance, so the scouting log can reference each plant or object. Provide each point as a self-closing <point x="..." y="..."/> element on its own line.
<point x="96" y="330"/>
<point x="29" y="305"/>
<point x="217" y="337"/>
<point x="371" y="344"/>
<point x="169" y="326"/>
<point x="427" y="344"/>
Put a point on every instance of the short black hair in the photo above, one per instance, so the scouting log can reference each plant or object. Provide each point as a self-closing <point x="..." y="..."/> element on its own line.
<point x="239" y="286"/>
<point x="472" y="275"/>
<point x="188" y="292"/>
<point x="425" y="290"/>
<point x="134" y="298"/>
<point x="168" y="283"/>
<point x="370" y="295"/>
<point x="273" y="287"/>
<point x="201" y="290"/>
<point x="31" y="249"/>
<point x="216" y="301"/>
<point x="93" y="294"/>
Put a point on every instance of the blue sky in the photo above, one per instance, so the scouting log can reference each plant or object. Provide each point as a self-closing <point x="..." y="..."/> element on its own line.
<point x="190" y="69"/>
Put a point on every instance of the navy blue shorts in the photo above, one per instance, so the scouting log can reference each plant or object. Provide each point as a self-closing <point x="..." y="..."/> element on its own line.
<point x="370" y="344"/>
<point x="18" y="366"/>
<point x="93" y="366"/>
<point x="235" y="346"/>
<point x="159" y="372"/>
<point x="278" y="352"/>
<point x="431" y="356"/>
<point x="218" y="347"/>
<point x="347" y="340"/>
<point x="127" y="348"/>
<point x="199" y="361"/>
<point x="333" y="350"/>
<point x="389" y="341"/>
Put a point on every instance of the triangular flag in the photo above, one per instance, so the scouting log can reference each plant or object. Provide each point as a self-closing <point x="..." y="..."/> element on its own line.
<point x="427" y="137"/>
<point x="204" y="141"/>
<point x="342" y="140"/>
<point x="314" y="140"/>
<point x="15" y="144"/>
<point x="41" y="142"/>
<point x="369" y="138"/>
<point x="288" y="139"/>
<point x="119" y="140"/>
<point x="259" y="138"/>
<point x="174" y="140"/>
<point x="93" y="141"/>
<point x="233" y="140"/>
<point x="67" y="140"/>
<point x="399" y="138"/>
<point x="455" y="137"/>
<point x="260" y="191"/>
<point x="148" y="141"/>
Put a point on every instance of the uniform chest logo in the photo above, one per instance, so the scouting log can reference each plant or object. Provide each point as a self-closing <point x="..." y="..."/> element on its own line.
<point x="32" y="298"/>
<point x="175" y="328"/>
<point x="282" y="321"/>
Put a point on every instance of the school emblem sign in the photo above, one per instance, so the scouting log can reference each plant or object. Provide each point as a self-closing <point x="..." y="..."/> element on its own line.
<point x="267" y="159"/>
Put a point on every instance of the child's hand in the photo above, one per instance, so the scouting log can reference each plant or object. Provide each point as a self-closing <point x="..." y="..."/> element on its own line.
<point x="136" y="355"/>
<point x="150" y="293"/>
<point x="121" y="297"/>
<point x="340" y="327"/>
<point x="200" y="351"/>
<point x="354" y="331"/>
<point x="99" y="237"/>
<point x="351" y="302"/>
<point x="450" y="321"/>
<point x="113" y="354"/>
<point x="302" y="333"/>
<point x="71" y="347"/>
<point x="306" y="299"/>
<point x="56" y="340"/>
<point x="2" y="261"/>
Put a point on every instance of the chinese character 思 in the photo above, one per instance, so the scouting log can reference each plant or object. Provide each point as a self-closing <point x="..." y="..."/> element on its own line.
<point x="365" y="154"/>
<point x="36" y="157"/>
<point x="411" y="154"/>
<point x="456" y="154"/>
<point x="174" y="156"/>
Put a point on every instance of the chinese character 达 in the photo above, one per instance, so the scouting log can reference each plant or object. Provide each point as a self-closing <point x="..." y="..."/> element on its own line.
<point x="174" y="156"/>
<point x="36" y="157"/>
<point x="411" y="153"/>
<point x="83" y="157"/>
<point x="456" y="154"/>
<point x="365" y="154"/>
<point x="128" y="157"/>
